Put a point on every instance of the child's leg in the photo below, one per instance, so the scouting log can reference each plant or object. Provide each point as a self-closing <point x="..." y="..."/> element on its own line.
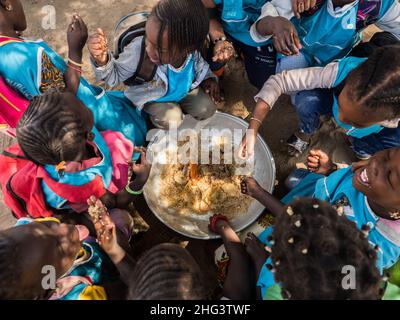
<point x="309" y="105"/>
<point x="368" y="146"/>
<point x="260" y="63"/>
<point x="165" y="114"/>
<point x="198" y="104"/>
<point x="239" y="283"/>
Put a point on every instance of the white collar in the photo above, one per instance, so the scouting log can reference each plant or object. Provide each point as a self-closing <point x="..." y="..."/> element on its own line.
<point x="170" y="66"/>
<point x="340" y="11"/>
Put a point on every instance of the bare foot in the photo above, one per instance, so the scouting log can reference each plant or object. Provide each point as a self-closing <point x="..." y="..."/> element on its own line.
<point x="251" y="187"/>
<point x="256" y="250"/>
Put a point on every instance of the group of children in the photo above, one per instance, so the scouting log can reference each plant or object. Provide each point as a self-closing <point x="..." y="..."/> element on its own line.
<point x="81" y="149"/>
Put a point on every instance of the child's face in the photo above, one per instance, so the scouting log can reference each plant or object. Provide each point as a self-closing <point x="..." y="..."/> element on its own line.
<point x="75" y="105"/>
<point x="44" y="244"/>
<point x="379" y="179"/>
<point x="355" y="114"/>
<point x="167" y="57"/>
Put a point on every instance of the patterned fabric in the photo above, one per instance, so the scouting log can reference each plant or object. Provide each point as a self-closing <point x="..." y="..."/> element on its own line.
<point x="52" y="78"/>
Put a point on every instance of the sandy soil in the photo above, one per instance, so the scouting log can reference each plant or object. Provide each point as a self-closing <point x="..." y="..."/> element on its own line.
<point x="239" y="94"/>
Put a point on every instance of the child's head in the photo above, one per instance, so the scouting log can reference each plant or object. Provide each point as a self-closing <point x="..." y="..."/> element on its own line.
<point x="372" y="91"/>
<point x="379" y="179"/>
<point x="13" y="14"/>
<point x="55" y="127"/>
<point x="312" y="245"/>
<point x="167" y="272"/>
<point x="25" y="250"/>
<point x="174" y="29"/>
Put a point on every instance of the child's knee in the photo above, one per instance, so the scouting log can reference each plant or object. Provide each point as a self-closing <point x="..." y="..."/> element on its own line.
<point x="203" y="107"/>
<point x="171" y="116"/>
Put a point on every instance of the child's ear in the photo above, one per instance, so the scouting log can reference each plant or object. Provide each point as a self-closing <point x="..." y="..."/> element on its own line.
<point x="6" y="5"/>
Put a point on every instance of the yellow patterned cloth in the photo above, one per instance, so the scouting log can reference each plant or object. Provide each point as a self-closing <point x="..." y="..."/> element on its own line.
<point x="52" y="78"/>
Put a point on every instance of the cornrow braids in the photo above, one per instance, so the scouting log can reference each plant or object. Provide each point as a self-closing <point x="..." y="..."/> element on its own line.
<point x="166" y="272"/>
<point x="312" y="244"/>
<point x="186" y="22"/>
<point x="376" y="83"/>
<point x="48" y="131"/>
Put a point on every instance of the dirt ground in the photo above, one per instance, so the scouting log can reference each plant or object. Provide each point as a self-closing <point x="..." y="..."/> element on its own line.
<point x="239" y="93"/>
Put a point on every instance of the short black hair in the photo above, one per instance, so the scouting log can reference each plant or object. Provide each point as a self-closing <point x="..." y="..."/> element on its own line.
<point x="312" y="243"/>
<point x="10" y="271"/>
<point x="186" y="21"/>
<point x="375" y="83"/>
<point x="167" y="272"/>
<point x="48" y="131"/>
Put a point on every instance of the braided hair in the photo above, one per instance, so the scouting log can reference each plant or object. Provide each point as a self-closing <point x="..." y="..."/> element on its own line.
<point x="376" y="83"/>
<point x="312" y="243"/>
<point x="186" y="22"/>
<point x="167" y="272"/>
<point x="48" y="131"/>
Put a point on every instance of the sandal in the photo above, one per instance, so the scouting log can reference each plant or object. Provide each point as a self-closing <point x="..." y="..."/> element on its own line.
<point x="214" y="220"/>
<point x="296" y="145"/>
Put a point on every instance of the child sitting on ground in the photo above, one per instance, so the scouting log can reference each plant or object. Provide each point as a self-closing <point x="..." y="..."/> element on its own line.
<point x="176" y="32"/>
<point x="327" y="32"/>
<point x="69" y="160"/>
<point x="165" y="272"/>
<point x="367" y="193"/>
<point x="303" y="257"/>
<point x="364" y="101"/>
<point x="32" y="68"/>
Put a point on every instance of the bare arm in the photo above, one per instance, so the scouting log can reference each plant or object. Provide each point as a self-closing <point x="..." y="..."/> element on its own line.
<point x="123" y="198"/>
<point x="77" y="35"/>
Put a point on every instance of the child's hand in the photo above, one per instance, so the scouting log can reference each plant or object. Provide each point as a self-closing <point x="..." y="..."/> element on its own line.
<point x="250" y="186"/>
<point x="246" y="148"/>
<point x="211" y="87"/>
<point x="141" y="171"/>
<point x="285" y="38"/>
<point x="223" y="52"/>
<point x="105" y="230"/>
<point x="77" y="35"/>
<point x="98" y="47"/>
<point x="319" y="162"/>
<point x="300" y="6"/>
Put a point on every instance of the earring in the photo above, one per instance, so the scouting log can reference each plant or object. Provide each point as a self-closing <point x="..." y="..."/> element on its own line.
<point x="9" y="7"/>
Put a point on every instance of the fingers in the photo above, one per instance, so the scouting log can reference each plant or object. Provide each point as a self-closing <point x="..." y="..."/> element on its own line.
<point x="290" y="43"/>
<point x="318" y="153"/>
<point x="243" y="151"/>
<point x="296" y="40"/>
<point x="313" y="162"/>
<point x="280" y="45"/>
<point x="295" y="9"/>
<point x="307" y="5"/>
<point x="243" y="186"/>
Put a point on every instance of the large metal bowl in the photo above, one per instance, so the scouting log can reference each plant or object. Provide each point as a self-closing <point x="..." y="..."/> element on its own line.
<point x="196" y="226"/>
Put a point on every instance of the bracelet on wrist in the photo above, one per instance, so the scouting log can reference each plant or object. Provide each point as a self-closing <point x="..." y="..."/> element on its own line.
<point x="70" y="61"/>
<point x="133" y="192"/>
